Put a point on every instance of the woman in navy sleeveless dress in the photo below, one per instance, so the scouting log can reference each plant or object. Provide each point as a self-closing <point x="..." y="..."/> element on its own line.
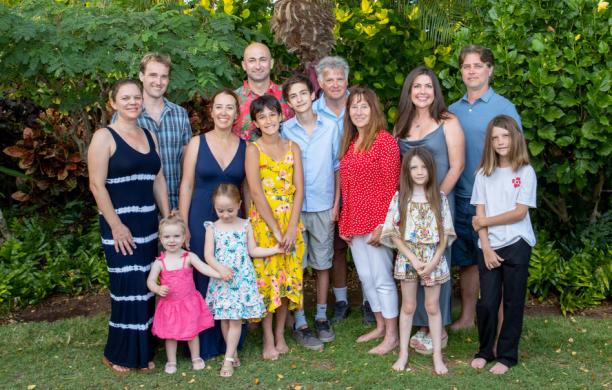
<point x="423" y="121"/>
<point x="126" y="179"/>
<point x="210" y="159"/>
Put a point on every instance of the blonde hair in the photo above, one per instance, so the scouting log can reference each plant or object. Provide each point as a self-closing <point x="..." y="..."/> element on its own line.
<point x="432" y="191"/>
<point x="376" y="124"/>
<point x="155" y="57"/>
<point x="174" y="218"/>
<point x="517" y="155"/>
<point x="227" y="189"/>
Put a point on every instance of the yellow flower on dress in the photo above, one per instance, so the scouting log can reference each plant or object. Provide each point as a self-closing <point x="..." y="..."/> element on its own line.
<point x="278" y="276"/>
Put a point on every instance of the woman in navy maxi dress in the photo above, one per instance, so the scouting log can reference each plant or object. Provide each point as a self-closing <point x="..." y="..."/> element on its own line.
<point x="204" y="176"/>
<point x="132" y="181"/>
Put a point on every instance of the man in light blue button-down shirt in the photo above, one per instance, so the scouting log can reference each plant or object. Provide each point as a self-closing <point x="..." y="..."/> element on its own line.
<point x="319" y="140"/>
<point x="474" y="110"/>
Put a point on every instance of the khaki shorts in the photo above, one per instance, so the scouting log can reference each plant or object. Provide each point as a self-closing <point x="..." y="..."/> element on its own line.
<point x="318" y="239"/>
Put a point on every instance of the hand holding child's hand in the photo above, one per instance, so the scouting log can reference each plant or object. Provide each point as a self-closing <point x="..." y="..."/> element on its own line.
<point x="278" y="249"/>
<point x="226" y="273"/>
<point x="163" y="290"/>
<point x="478" y="222"/>
<point x="491" y="259"/>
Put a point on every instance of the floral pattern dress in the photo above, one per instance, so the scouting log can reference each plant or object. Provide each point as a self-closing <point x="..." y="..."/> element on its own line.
<point x="238" y="298"/>
<point x="278" y="276"/>
<point x="421" y="236"/>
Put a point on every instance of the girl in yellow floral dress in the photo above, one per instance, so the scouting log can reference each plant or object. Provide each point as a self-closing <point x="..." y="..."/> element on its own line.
<point x="276" y="184"/>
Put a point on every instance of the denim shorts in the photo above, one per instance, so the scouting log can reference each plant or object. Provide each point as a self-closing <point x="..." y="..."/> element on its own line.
<point x="465" y="248"/>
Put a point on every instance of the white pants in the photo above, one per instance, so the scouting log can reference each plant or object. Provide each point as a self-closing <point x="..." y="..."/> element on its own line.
<point x="375" y="268"/>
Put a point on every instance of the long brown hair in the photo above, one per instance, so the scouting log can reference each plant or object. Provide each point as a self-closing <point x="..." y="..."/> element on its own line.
<point x="406" y="111"/>
<point x="377" y="119"/>
<point x="432" y="190"/>
<point x="517" y="155"/>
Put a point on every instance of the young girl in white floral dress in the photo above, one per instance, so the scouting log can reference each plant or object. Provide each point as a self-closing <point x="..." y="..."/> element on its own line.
<point x="420" y="226"/>
<point x="229" y="242"/>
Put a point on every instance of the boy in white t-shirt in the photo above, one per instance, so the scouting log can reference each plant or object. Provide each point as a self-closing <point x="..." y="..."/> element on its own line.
<point x="504" y="190"/>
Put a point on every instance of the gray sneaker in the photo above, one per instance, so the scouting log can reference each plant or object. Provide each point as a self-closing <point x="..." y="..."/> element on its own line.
<point x="306" y="339"/>
<point x="324" y="331"/>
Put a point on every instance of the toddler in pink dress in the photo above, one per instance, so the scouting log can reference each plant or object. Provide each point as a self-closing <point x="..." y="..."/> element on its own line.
<point x="181" y="312"/>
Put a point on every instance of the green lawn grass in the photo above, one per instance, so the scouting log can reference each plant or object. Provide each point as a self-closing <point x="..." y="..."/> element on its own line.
<point x="555" y="352"/>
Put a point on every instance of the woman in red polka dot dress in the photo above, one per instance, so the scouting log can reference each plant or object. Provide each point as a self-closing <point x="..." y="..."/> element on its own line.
<point x="369" y="174"/>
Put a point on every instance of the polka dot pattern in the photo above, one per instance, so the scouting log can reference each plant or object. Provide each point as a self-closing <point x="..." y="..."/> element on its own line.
<point x="368" y="181"/>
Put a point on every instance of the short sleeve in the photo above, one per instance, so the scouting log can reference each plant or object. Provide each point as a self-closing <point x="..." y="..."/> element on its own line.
<point x="528" y="187"/>
<point x="392" y="222"/>
<point x="447" y="221"/>
<point x="336" y="147"/>
<point x="478" y="192"/>
<point x="187" y="134"/>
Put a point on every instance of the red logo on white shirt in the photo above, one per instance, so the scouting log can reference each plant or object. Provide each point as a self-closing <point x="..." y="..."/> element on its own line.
<point x="516" y="182"/>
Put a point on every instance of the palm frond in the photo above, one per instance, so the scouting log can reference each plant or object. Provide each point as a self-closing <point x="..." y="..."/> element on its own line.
<point x="439" y="19"/>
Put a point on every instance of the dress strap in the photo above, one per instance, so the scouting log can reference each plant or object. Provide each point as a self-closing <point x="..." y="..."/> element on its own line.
<point x="209" y="224"/>
<point x="161" y="258"/>
<point x="247" y="222"/>
<point x="184" y="257"/>
<point x="257" y="146"/>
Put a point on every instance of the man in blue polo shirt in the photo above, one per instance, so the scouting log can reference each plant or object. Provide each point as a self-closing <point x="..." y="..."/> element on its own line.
<point x="475" y="110"/>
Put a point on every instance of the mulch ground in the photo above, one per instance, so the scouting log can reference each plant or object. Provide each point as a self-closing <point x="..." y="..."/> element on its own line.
<point x="61" y="306"/>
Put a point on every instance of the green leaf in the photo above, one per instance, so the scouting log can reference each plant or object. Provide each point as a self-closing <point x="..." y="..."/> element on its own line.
<point x="547" y="132"/>
<point x="602" y="47"/>
<point x="535" y="147"/>
<point x="552" y="113"/>
<point x="564" y="141"/>
<point x="537" y="45"/>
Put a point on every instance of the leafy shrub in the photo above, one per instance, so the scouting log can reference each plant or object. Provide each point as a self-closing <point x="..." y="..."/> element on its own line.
<point x="58" y="251"/>
<point x="553" y="62"/>
<point x="49" y="154"/>
<point x="580" y="280"/>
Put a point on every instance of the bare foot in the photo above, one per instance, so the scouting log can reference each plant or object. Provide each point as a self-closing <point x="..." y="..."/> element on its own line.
<point x="115" y="367"/>
<point x="374" y="334"/>
<point x="499" y="369"/>
<point x="385" y="347"/>
<point x="269" y="353"/>
<point x="478" y="363"/>
<point x="462" y="324"/>
<point x="282" y="347"/>
<point x="401" y="362"/>
<point x="439" y="366"/>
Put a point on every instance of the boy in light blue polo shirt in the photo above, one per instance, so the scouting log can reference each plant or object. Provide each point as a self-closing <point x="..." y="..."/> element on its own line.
<point x="319" y="141"/>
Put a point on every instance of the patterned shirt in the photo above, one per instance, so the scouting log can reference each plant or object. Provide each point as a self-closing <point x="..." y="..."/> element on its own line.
<point x="173" y="133"/>
<point x="244" y="126"/>
<point x="368" y="181"/>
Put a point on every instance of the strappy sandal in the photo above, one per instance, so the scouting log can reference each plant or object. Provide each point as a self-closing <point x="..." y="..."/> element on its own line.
<point x="227" y="370"/>
<point x="170" y="368"/>
<point x="198" y="364"/>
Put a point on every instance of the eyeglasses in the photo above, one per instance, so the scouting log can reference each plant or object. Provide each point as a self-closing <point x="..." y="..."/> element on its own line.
<point x="477" y="66"/>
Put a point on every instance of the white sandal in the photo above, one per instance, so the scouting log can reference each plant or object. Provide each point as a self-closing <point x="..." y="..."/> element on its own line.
<point x="198" y="364"/>
<point x="170" y="368"/>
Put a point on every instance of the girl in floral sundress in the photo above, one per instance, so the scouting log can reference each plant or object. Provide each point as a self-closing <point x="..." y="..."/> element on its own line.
<point x="229" y="242"/>
<point x="420" y="226"/>
<point x="275" y="179"/>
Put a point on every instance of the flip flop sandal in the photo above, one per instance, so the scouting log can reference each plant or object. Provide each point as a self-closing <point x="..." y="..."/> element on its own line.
<point x="113" y="367"/>
<point x="417" y="339"/>
<point x="227" y="370"/>
<point x="198" y="364"/>
<point x="426" y="347"/>
<point x="170" y="368"/>
<point x="149" y="369"/>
